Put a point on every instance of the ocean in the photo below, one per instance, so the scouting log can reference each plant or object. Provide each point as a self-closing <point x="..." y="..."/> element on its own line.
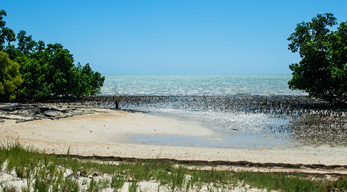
<point x="221" y="103"/>
<point x="193" y="85"/>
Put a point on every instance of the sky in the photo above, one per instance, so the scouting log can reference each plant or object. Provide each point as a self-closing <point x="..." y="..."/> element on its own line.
<point x="171" y="36"/>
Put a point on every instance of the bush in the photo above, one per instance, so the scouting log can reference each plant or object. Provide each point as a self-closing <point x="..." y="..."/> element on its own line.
<point x="47" y="71"/>
<point x="51" y="73"/>
<point x="322" y="72"/>
<point x="10" y="77"/>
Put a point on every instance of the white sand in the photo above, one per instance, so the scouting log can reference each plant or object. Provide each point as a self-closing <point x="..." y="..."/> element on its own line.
<point x="107" y="134"/>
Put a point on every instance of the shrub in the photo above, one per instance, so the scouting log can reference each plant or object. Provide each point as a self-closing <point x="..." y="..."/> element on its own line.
<point x="10" y="77"/>
<point x="322" y="72"/>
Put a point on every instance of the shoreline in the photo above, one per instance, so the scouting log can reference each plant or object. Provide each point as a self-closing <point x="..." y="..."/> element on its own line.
<point x="105" y="134"/>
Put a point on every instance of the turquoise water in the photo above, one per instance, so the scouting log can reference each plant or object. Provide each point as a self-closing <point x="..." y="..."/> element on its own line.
<point x="211" y="85"/>
<point x="233" y="129"/>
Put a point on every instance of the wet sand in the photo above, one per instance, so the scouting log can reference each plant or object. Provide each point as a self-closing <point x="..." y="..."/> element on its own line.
<point x="107" y="133"/>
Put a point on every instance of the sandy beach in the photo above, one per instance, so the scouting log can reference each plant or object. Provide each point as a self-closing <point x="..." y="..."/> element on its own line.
<point x="107" y="133"/>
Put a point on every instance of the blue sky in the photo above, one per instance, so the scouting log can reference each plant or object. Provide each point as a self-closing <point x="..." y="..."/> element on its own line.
<point x="171" y="36"/>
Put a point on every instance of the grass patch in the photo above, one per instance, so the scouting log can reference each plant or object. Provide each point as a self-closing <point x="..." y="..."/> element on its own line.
<point x="279" y="181"/>
<point x="45" y="172"/>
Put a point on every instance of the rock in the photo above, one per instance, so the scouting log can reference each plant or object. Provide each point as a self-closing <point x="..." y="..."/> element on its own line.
<point x="7" y="177"/>
<point x="84" y="181"/>
<point x="28" y="112"/>
<point x="9" y="106"/>
<point x="42" y="108"/>
<point x="1" y="121"/>
<point x="52" y="113"/>
<point x="68" y="172"/>
<point x="21" y="121"/>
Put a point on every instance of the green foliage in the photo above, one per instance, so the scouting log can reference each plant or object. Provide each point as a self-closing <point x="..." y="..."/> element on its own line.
<point x="133" y="187"/>
<point x="47" y="71"/>
<point x="279" y="182"/>
<point x="68" y="184"/>
<point x="25" y="43"/>
<point x="60" y="72"/>
<point x="43" y="172"/>
<point x="40" y="185"/>
<point x="117" y="182"/>
<point x="10" y="77"/>
<point x="322" y="72"/>
<point x="6" y="34"/>
<point x="35" y="84"/>
<point x="87" y="81"/>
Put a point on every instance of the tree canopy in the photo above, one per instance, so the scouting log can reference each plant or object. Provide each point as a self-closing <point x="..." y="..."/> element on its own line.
<point x="6" y="34"/>
<point x="322" y="71"/>
<point x="10" y="77"/>
<point x="42" y="71"/>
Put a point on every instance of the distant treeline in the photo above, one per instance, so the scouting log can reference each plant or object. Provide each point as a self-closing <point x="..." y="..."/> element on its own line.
<point x="36" y="71"/>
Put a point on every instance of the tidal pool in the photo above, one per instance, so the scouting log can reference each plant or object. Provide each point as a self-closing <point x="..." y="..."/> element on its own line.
<point x="247" y="121"/>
